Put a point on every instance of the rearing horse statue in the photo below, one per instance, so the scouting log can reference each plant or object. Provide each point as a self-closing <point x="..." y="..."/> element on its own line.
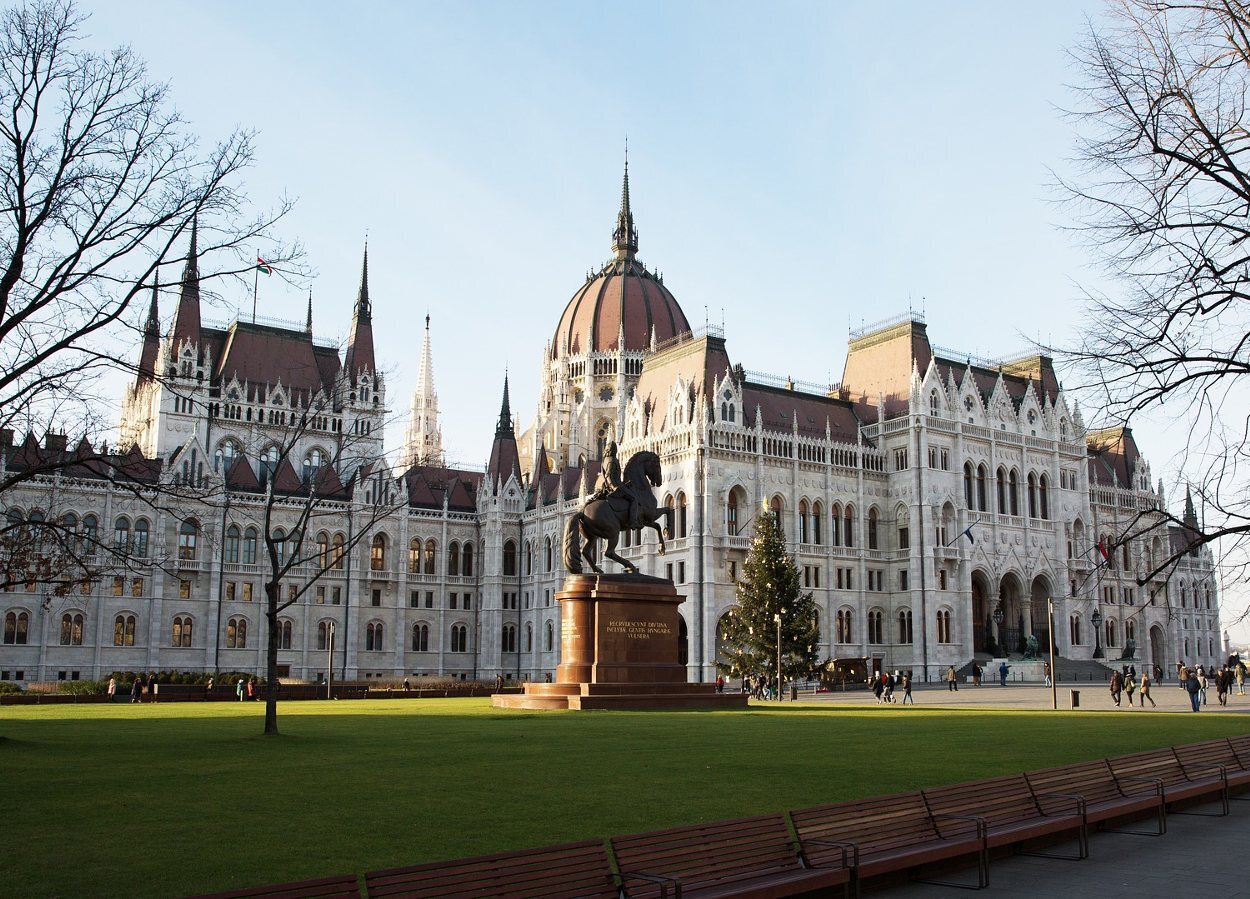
<point x="604" y="519"/>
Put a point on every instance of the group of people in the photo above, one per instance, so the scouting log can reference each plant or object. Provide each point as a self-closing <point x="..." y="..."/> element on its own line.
<point x="884" y="686"/>
<point x="1195" y="681"/>
<point x="245" y="688"/>
<point x="758" y="685"/>
<point x="1125" y="683"/>
<point x="140" y="687"/>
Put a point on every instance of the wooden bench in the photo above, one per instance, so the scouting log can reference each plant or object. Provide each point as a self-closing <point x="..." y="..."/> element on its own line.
<point x="568" y="870"/>
<point x="1241" y="749"/>
<point x="1214" y="759"/>
<point x="345" y="886"/>
<point x="1104" y="797"/>
<point x="753" y="857"/>
<point x="1163" y="768"/>
<point x="883" y="835"/>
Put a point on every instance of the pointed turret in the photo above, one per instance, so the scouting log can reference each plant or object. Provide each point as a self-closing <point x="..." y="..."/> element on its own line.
<point x="1191" y="517"/>
<point x="308" y="321"/>
<point x="187" y="319"/>
<point x="151" y="340"/>
<point x="625" y="237"/>
<point x="424" y="443"/>
<point x="505" y="459"/>
<point x="360" y="343"/>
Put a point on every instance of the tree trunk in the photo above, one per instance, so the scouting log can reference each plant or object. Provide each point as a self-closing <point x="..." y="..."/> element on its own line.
<point x="271" y="661"/>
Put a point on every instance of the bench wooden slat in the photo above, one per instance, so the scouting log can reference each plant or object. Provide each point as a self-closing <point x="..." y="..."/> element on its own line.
<point x="567" y="870"/>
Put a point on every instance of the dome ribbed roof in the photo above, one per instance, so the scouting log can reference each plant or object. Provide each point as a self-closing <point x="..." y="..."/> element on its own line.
<point x="622" y="296"/>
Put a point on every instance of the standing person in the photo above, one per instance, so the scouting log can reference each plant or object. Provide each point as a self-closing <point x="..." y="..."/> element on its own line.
<point x="1130" y="687"/>
<point x="136" y="688"/>
<point x="1191" y="687"/>
<point x="1158" y="674"/>
<point x="1002" y="674"/>
<point x="238" y="689"/>
<point x="407" y="685"/>
<point x="1182" y="674"/>
<point x="1116" y="686"/>
<point x="1202" y="684"/>
<point x="152" y="687"/>
<point x="976" y="674"/>
<point x="112" y="688"/>
<point x="1224" y="684"/>
<point x="1046" y="672"/>
<point x="952" y="680"/>
<point x="907" y="689"/>
<point x="878" y="688"/>
<point x="720" y="683"/>
<point x="251" y="689"/>
<point x="1144" y="690"/>
<point x="1241" y="678"/>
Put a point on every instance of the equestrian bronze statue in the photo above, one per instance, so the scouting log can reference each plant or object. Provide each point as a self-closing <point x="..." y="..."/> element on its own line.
<point x="621" y="501"/>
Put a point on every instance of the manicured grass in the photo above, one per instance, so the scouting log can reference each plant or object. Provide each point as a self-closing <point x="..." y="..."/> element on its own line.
<point x="173" y="799"/>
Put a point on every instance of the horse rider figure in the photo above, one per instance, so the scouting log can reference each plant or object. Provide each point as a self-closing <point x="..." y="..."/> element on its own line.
<point x="610" y="484"/>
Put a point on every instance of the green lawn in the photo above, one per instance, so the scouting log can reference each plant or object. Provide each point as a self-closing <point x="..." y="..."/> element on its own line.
<point x="167" y="800"/>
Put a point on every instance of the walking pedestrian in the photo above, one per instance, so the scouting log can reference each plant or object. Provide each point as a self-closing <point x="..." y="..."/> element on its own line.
<point x="136" y="688"/>
<point x="1191" y="687"/>
<point x="1046" y="672"/>
<point x="1223" y="683"/>
<point x="1241" y="678"/>
<point x="878" y="687"/>
<point x="251" y="689"/>
<point x="1116" y="686"/>
<point x="152" y="687"/>
<point x="1144" y="690"/>
<point x="238" y="689"/>
<point x="952" y="680"/>
<point x="1202" y="684"/>
<point x="1158" y="674"/>
<point x="1130" y="687"/>
<point x="1003" y="668"/>
<point x="112" y="688"/>
<point x="1182" y="675"/>
<point x="976" y="675"/>
<point x="907" y="697"/>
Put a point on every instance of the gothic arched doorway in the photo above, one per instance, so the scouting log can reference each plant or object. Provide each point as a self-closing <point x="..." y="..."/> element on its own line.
<point x="1157" y="647"/>
<point x="982" y="626"/>
<point x="1039" y="613"/>
<point x="683" y="642"/>
<point x="1010" y="632"/>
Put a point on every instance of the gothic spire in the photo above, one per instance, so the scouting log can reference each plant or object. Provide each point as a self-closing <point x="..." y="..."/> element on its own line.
<point x="360" y="342"/>
<point x="151" y="337"/>
<point x="1191" y="517"/>
<point x="625" y="237"/>
<point x="308" y="321"/>
<point x="505" y="413"/>
<point x="505" y="460"/>
<point x="424" y="443"/>
<point x="187" y="318"/>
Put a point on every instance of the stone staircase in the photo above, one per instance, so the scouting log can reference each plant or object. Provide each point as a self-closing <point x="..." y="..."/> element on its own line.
<point x="1070" y="671"/>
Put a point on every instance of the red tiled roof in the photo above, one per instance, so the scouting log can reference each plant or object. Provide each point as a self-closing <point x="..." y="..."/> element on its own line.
<point x="623" y="292"/>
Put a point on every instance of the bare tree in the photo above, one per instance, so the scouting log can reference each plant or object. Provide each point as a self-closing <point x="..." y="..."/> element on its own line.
<point x="100" y="182"/>
<point x="1163" y="193"/>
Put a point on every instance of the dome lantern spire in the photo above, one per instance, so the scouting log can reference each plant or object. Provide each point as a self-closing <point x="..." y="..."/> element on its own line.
<point x="625" y="237"/>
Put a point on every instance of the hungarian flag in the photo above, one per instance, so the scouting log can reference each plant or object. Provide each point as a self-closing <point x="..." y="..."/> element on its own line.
<point x="1103" y="551"/>
<point x="264" y="266"/>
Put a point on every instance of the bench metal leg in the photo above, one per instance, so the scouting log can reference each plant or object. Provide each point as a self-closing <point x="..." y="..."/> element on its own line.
<point x="1223" y="812"/>
<point x="1082" y="849"/>
<point x="1162" y="826"/>
<point x="983" y="875"/>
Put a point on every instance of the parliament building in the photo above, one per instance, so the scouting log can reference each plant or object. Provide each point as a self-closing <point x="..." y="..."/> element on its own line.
<point x="937" y="505"/>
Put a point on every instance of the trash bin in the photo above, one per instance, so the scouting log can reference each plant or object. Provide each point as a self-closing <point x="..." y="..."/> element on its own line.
<point x="794" y="692"/>
<point x="1076" y="699"/>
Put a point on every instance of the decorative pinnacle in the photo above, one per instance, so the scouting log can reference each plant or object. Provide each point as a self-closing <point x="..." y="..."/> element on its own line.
<point x="625" y="237"/>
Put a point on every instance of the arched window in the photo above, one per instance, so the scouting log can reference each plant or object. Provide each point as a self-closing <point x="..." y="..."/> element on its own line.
<point x="981" y="501"/>
<point x="681" y="515"/>
<point x="549" y="640"/>
<point x="141" y="538"/>
<point x="1013" y="482"/>
<point x="835" y="536"/>
<point x="874" y="626"/>
<point x="90" y="533"/>
<point x="453" y="558"/>
<point x="731" y="513"/>
<point x="313" y="461"/>
<point x="529" y="557"/>
<point x="431" y="556"/>
<point x="71" y="629"/>
<point x="340" y="553"/>
<point x="236" y="633"/>
<point x="1043" y="496"/>
<point x="872" y="528"/>
<point x="124" y="630"/>
<point x="934" y="405"/>
<point x="323" y="550"/>
<point x="182" y="631"/>
<point x="843" y="622"/>
<point x="509" y="558"/>
<point x="227" y="452"/>
<point x="1032" y="495"/>
<point x="968" y="497"/>
<point x="904" y="626"/>
<point x="420" y="637"/>
<point x="943" y="626"/>
<point x="232" y="544"/>
<point x="848" y="525"/>
<point x="284" y="633"/>
<point x="121" y="535"/>
<point x="249" y="546"/>
<point x="1111" y="632"/>
<point x="377" y="553"/>
<point x="459" y="638"/>
<point x="414" y="555"/>
<point x="1074" y="630"/>
<point x="802" y="521"/>
<point x="529" y="638"/>
<point x="323" y="635"/>
<point x="466" y="560"/>
<point x="374" y="632"/>
<point x="188" y="537"/>
<point x="507" y="642"/>
<point x="818" y="512"/>
<point x="547" y="553"/>
<point x="1001" y="483"/>
<point x="16" y="627"/>
<point x="268" y="464"/>
<point x="280" y="546"/>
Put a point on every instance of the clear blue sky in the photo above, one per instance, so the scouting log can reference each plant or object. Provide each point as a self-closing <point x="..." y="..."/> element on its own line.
<point x="795" y="169"/>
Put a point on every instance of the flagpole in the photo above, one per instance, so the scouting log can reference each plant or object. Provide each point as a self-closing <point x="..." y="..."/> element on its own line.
<point x="255" y="285"/>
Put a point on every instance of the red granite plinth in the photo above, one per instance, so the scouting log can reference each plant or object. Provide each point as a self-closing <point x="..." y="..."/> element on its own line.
<point x="619" y="650"/>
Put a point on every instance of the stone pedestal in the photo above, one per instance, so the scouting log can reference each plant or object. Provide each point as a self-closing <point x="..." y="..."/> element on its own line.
<point x="619" y="650"/>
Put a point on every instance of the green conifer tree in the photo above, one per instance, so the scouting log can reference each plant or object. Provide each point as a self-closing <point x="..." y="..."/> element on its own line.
<point x="770" y="587"/>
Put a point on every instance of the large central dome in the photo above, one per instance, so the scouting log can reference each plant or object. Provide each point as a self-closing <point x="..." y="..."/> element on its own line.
<point x="622" y="296"/>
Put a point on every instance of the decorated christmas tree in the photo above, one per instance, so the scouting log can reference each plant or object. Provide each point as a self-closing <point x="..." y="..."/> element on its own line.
<point x="769" y="588"/>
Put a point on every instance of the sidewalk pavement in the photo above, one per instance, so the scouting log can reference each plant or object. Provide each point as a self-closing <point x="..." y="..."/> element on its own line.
<point x="1198" y="856"/>
<point x="1094" y="697"/>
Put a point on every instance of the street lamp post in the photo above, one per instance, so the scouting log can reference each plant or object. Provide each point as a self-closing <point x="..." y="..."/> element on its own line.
<point x="1054" y="694"/>
<point x="777" y="618"/>
<point x="1096" y="621"/>
<point x="330" y="662"/>
<point x="998" y="625"/>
